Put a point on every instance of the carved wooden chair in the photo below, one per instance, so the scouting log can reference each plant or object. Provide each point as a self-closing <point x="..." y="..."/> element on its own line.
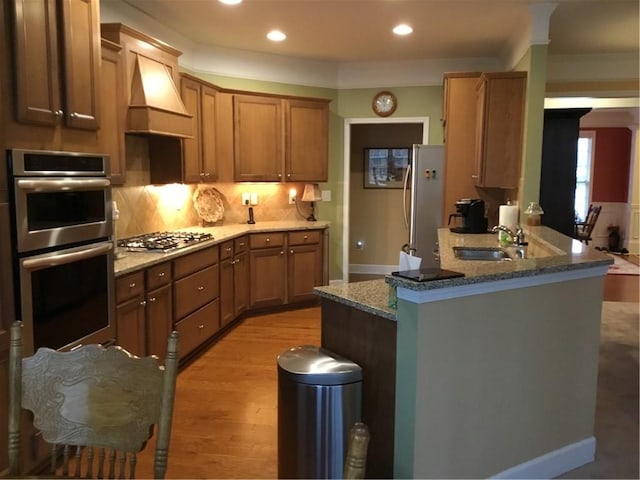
<point x="96" y="406"/>
<point x="582" y="230"/>
<point x="356" y="457"/>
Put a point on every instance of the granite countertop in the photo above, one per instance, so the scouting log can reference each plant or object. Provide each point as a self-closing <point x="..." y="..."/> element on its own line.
<point x="548" y="252"/>
<point x="127" y="262"/>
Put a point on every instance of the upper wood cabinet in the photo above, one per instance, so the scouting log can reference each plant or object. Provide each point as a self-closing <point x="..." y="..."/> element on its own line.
<point x="56" y="61"/>
<point x="258" y="141"/>
<point x="112" y="110"/>
<point x="199" y="153"/>
<point x="280" y="139"/>
<point x="499" y="129"/>
<point x="306" y="148"/>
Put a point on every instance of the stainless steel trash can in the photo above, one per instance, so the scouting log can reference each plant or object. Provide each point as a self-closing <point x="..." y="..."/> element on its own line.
<point x="319" y="399"/>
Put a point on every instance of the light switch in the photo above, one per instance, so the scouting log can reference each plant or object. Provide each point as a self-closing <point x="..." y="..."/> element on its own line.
<point x="246" y="198"/>
<point x="326" y="195"/>
<point x="254" y="198"/>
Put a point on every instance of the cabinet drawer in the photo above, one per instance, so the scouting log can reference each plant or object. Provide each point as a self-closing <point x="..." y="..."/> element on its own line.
<point x="264" y="240"/>
<point x="226" y="250"/>
<point x="240" y="245"/>
<point x="304" y="237"/>
<point x="158" y="275"/>
<point x="198" y="327"/>
<point x="129" y="286"/>
<point x="193" y="262"/>
<point x="194" y="291"/>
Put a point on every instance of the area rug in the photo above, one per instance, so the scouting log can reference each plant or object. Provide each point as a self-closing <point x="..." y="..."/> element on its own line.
<point x="622" y="266"/>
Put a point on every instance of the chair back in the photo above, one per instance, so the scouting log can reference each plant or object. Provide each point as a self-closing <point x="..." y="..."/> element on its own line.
<point x="97" y="406"/>
<point x="583" y="230"/>
<point x="356" y="457"/>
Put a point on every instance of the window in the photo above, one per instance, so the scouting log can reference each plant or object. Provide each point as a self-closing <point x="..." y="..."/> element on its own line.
<point x="584" y="165"/>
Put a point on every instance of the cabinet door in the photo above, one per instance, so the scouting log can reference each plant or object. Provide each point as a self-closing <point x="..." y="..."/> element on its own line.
<point x="304" y="272"/>
<point x="501" y="123"/>
<point x="460" y="142"/>
<point x="241" y="283"/>
<point x="196" y="290"/>
<point x="257" y="139"/>
<point x="159" y="320"/>
<point x="112" y="110"/>
<point x="190" y="93"/>
<point x="36" y="62"/>
<point x="130" y="324"/>
<point x="227" y="304"/>
<point x="208" y="135"/>
<point x="81" y="33"/>
<point x="307" y="139"/>
<point x="268" y="277"/>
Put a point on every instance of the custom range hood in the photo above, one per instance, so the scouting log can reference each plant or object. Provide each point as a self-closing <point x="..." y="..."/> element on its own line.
<point x="151" y="66"/>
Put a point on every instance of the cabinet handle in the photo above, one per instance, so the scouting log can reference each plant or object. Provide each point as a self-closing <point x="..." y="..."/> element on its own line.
<point x="228" y="249"/>
<point x="474" y="176"/>
<point x="152" y="299"/>
<point x="161" y="274"/>
<point x="200" y="288"/>
<point x="74" y="115"/>
<point x="143" y="303"/>
<point x="59" y="113"/>
<point x="132" y="285"/>
<point x="241" y="244"/>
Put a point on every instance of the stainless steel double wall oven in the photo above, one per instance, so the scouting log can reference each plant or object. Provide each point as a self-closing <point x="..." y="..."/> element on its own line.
<point x="62" y="248"/>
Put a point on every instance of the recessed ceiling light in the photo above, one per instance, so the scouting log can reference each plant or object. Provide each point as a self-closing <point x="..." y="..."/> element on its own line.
<point x="402" y="29"/>
<point x="230" y="2"/>
<point x="276" y="36"/>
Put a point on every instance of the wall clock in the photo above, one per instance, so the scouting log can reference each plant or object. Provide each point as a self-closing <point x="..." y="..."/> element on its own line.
<point x="384" y="103"/>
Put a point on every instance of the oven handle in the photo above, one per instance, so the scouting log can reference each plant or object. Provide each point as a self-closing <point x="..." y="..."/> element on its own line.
<point x="54" y="259"/>
<point x="63" y="184"/>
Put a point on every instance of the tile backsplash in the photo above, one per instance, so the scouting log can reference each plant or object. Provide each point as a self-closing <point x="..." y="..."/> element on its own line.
<point x="152" y="208"/>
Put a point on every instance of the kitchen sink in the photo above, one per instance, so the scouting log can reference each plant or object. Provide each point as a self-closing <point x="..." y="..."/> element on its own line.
<point x="481" y="253"/>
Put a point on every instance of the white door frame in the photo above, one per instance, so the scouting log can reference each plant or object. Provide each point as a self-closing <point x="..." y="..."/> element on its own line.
<point x="347" y="169"/>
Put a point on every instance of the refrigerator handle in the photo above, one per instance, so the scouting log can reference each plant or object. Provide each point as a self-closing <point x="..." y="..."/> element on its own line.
<point x="405" y="189"/>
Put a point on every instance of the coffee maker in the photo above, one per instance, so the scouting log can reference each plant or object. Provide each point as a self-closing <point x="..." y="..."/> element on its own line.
<point x="471" y="211"/>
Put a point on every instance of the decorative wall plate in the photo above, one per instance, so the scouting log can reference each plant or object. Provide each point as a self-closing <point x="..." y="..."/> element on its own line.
<point x="208" y="204"/>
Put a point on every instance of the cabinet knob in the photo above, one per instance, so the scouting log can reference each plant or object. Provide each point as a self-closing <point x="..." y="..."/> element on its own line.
<point x="200" y="288"/>
<point x="279" y="175"/>
<point x="233" y="262"/>
<point x="241" y="244"/>
<point x="281" y="252"/>
<point x="228" y="249"/>
<point x="143" y="303"/>
<point x="201" y="326"/>
<point x="74" y="115"/>
<point x="237" y="260"/>
<point x="268" y="240"/>
<point x="152" y="299"/>
<point x="291" y="252"/>
<point x="161" y="274"/>
<point x="306" y="237"/>
<point x="288" y="175"/>
<point x="132" y="285"/>
<point x="207" y="174"/>
<point x="201" y="174"/>
<point x="59" y="113"/>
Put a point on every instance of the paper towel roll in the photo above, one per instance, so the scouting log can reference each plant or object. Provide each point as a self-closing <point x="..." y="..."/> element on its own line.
<point x="508" y="216"/>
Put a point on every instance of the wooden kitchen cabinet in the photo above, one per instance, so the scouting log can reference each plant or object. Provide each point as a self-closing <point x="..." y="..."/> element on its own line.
<point x="280" y="139"/>
<point x="199" y="153"/>
<point x="307" y="141"/>
<point x="113" y="110"/>
<point x="499" y="129"/>
<point x="196" y="298"/>
<point x="268" y="270"/>
<point x="234" y="276"/>
<point x="158" y="309"/>
<point x="459" y="125"/>
<point x="57" y="62"/>
<point x="258" y="140"/>
<point x="130" y="313"/>
<point x="304" y="265"/>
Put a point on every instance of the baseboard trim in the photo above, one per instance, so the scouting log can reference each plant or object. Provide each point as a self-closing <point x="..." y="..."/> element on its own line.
<point x="555" y="463"/>
<point x="372" y="269"/>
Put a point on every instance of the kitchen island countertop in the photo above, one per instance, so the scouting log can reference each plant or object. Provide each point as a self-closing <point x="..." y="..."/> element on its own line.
<point x="127" y="262"/>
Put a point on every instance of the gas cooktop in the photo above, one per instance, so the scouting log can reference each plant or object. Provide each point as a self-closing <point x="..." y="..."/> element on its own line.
<point x="163" y="241"/>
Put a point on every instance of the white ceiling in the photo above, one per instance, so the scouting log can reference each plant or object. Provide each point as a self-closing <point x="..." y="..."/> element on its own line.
<point x="344" y="31"/>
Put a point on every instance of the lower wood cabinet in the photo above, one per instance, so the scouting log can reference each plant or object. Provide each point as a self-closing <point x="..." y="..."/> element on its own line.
<point x="304" y="265"/>
<point x="234" y="279"/>
<point x="158" y="309"/>
<point x="130" y="313"/>
<point x="196" y="298"/>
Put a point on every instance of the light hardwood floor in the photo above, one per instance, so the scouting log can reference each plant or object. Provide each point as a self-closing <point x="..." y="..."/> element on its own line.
<point x="225" y="418"/>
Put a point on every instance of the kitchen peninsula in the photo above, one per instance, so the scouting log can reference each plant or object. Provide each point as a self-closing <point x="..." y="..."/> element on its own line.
<point x="493" y="374"/>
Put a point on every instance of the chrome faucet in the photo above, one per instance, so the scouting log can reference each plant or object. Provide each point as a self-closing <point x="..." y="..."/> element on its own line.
<point x="514" y="238"/>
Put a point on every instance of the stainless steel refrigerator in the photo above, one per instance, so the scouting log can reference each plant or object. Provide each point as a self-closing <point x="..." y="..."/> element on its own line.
<point x="423" y="197"/>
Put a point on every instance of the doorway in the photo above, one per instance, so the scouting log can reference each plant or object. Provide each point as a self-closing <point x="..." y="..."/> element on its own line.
<point x="347" y="241"/>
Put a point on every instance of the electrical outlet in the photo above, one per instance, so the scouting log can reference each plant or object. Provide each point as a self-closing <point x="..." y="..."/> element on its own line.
<point x="246" y="198"/>
<point x="326" y="195"/>
<point x="292" y="196"/>
<point x="254" y="198"/>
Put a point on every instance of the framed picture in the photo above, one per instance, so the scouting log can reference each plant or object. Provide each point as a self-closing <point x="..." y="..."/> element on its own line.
<point x="385" y="167"/>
